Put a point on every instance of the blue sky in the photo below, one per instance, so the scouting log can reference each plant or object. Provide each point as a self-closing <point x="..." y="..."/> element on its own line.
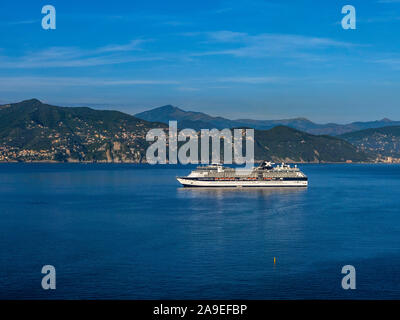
<point x="238" y="59"/>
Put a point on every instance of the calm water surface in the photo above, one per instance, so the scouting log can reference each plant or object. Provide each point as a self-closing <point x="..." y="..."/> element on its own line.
<point x="131" y="232"/>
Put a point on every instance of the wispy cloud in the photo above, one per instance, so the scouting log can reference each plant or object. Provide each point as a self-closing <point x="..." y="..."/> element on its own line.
<point x="77" y="57"/>
<point x="188" y="89"/>
<point x="222" y="10"/>
<point x="23" y="22"/>
<point x="267" y="44"/>
<point x="251" y="80"/>
<point x="131" y="46"/>
<point x="391" y="62"/>
<point x="18" y="83"/>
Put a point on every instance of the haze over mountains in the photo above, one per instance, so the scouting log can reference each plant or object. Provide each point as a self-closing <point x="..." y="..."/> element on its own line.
<point x="33" y="131"/>
<point x="199" y="120"/>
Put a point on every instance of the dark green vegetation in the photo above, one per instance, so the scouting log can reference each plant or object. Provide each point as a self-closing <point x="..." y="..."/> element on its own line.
<point x="198" y="120"/>
<point x="290" y="145"/>
<point x="33" y="131"/>
<point x="384" y="142"/>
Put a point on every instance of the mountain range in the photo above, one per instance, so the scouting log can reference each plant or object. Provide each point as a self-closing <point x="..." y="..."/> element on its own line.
<point x="383" y="142"/>
<point x="199" y="120"/>
<point x="34" y="131"/>
<point x="285" y="144"/>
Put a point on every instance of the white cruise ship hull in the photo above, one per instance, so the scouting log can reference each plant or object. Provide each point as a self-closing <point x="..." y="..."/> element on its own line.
<point x="242" y="183"/>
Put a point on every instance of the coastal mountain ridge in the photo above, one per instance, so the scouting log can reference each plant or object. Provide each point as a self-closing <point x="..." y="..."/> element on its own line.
<point x="285" y="144"/>
<point x="199" y="120"/>
<point x="34" y="131"/>
<point x="383" y="142"/>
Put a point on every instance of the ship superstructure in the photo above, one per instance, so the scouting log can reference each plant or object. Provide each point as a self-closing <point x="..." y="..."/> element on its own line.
<point x="266" y="175"/>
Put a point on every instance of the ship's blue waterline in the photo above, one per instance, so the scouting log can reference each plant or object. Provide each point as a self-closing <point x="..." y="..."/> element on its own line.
<point x="131" y="232"/>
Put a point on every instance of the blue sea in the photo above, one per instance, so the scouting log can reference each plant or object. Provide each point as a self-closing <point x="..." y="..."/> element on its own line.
<point x="124" y="231"/>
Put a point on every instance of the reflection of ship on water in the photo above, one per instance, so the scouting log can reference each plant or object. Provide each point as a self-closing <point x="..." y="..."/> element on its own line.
<point x="266" y="175"/>
<point x="229" y="192"/>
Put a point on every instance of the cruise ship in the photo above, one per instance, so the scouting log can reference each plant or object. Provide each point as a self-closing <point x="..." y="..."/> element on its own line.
<point x="266" y="175"/>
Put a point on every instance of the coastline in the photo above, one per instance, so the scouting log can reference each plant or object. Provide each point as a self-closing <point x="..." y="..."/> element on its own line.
<point x="144" y="162"/>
